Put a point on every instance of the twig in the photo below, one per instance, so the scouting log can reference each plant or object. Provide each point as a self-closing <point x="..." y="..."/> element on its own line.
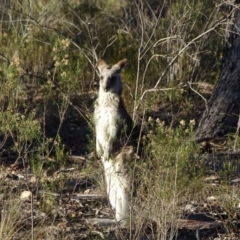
<point x="32" y="227"/>
<point x="152" y="90"/>
<point x="199" y="94"/>
<point x="179" y="53"/>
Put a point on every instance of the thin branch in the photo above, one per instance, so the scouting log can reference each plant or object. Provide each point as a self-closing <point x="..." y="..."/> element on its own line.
<point x="199" y="94"/>
<point x="153" y="90"/>
<point x="184" y="48"/>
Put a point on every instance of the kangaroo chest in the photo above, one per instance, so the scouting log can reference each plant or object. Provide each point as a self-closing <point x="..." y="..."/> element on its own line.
<point x="107" y="112"/>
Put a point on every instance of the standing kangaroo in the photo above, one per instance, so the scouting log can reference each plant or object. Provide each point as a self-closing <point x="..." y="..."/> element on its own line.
<point x="110" y="115"/>
<point x="113" y="128"/>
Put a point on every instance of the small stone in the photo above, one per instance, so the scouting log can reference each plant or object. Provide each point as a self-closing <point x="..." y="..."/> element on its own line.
<point x="212" y="178"/>
<point x="190" y="208"/>
<point x="235" y="181"/>
<point x="25" y="194"/>
<point x="20" y="176"/>
<point x="87" y="191"/>
<point x="73" y="214"/>
<point x="33" y="179"/>
<point x="211" y="198"/>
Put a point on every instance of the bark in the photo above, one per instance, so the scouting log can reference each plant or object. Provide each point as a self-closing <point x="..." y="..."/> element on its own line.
<point x="222" y="111"/>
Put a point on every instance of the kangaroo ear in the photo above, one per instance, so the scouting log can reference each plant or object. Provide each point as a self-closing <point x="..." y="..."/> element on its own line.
<point x="101" y="64"/>
<point x="120" y="65"/>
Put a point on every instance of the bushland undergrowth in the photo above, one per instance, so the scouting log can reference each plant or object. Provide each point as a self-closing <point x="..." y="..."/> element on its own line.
<point x="48" y="52"/>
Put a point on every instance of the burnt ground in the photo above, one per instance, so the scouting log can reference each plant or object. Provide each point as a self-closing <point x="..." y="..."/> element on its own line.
<point x="68" y="202"/>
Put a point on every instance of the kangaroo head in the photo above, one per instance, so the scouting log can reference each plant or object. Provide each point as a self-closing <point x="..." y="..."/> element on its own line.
<point x="110" y="77"/>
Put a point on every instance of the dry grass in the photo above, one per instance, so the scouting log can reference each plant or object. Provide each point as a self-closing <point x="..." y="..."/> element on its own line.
<point x="47" y="75"/>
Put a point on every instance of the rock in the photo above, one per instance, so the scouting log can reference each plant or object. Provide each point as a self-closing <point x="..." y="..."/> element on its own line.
<point x="20" y="176"/>
<point x="212" y="178"/>
<point x="235" y="181"/>
<point x="25" y="195"/>
<point x="211" y="198"/>
<point x="87" y="191"/>
<point x="33" y="179"/>
<point x="190" y="208"/>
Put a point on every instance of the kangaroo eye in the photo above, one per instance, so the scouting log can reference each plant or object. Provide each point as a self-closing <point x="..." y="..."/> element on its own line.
<point x="101" y="77"/>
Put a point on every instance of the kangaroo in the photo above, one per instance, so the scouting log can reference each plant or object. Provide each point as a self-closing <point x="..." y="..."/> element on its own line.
<point x="118" y="184"/>
<point x="110" y="115"/>
<point x="113" y="129"/>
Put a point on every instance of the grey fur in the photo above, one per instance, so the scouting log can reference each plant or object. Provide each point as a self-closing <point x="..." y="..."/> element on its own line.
<point x="110" y="114"/>
<point x="113" y="128"/>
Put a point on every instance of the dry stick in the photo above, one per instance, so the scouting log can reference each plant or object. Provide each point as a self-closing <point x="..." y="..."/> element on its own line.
<point x="69" y="101"/>
<point x="153" y="56"/>
<point x="76" y="108"/>
<point x="61" y="114"/>
<point x="182" y="50"/>
<point x="29" y="18"/>
<point x="93" y="53"/>
<point x="146" y="47"/>
<point x="36" y="22"/>
<point x="142" y="50"/>
<point x="138" y="65"/>
<point x="174" y="59"/>
<point x="133" y="175"/>
<point x="153" y="90"/>
<point x="32" y="223"/>
<point x="208" y="24"/>
<point x="110" y="42"/>
<point x="85" y="55"/>
<point x="173" y="230"/>
<point x="199" y="94"/>
<point x="164" y="39"/>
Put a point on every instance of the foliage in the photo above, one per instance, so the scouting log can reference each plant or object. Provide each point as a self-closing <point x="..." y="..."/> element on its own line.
<point x="48" y="55"/>
<point x="173" y="176"/>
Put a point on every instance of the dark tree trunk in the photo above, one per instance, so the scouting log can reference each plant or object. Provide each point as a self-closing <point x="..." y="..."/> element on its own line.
<point x="222" y="111"/>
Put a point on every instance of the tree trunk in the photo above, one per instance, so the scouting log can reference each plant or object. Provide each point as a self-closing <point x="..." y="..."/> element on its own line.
<point x="222" y="111"/>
